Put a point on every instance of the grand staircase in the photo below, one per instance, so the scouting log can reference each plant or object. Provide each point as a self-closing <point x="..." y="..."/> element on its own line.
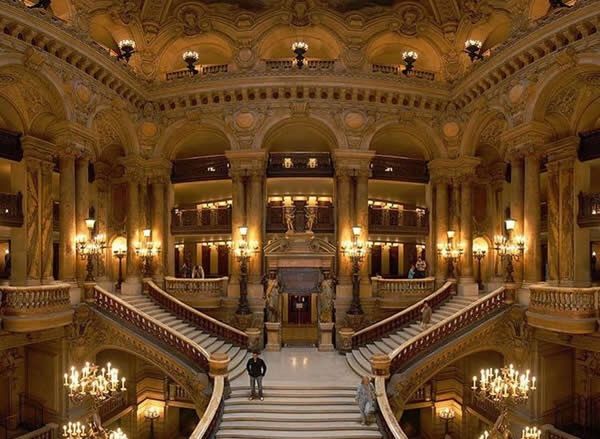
<point x="358" y="358"/>
<point x="212" y="344"/>
<point x="295" y="412"/>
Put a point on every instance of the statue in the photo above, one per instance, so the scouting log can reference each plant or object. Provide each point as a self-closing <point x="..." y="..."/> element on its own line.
<point x="326" y="297"/>
<point x="271" y="286"/>
<point x="311" y="217"/>
<point x="290" y="215"/>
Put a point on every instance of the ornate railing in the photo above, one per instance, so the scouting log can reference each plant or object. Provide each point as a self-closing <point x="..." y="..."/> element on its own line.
<point x="400" y="293"/>
<point x="197" y="292"/>
<point x="402" y="318"/>
<point x="390" y="167"/>
<point x="34" y="308"/>
<point x="389" y="424"/>
<point x="114" y="306"/>
<point x="299" y="164"/>
<point x="49" y="431"/>
<point x="177" y="392"/>
<point x="564" y="309"/>
<point x="209" y="423"/>
<point x="211" y="167"/>
<point x="310" y="65"/>
<point x="551" y="432"/>
<point x="189" y="314"/>
<point x="449" y="327"/>
<point x="589" y="210"/>
<point x="212" y="69"/>
<point x="11" y="210"/>
<point x="113" y="406"/>
<point x="191" y="221"/>
<point x="388" y="69"/>
<point x="396" y="221"/>
<point x="324" y="221"/>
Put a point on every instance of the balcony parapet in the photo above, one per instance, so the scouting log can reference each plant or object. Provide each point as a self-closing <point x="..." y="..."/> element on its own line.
<point x="35" y="308"/>
<point x="401" y="293"/>
<point x="48" y="431"/>
<point x="569" y="310"/>
<point x="11" y="209"/>
<point x="198" y="293"/>
<point x="589" y="210"/>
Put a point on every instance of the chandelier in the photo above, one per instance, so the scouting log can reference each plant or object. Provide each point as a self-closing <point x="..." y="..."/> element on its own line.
<point x="504" y="385"/>
<point x="90" y="248"/>
<point x="243" y="252"/>
<point x="95" y="382"/>
<point x="127" y="48"/>
<point x="473" y="49"/>
<point x="300" y="48"/>
<point x="509" y="249"/>
<point x="451" y="253"/>
<point x="191" y="58"/>
<point x="76" y="430"/>
<point x="147" y="251"/>
<point x="484" y="435"/>
<point x="355" y="250"/>
<point x="409" y="57"/>
<point x="531" y="433"/>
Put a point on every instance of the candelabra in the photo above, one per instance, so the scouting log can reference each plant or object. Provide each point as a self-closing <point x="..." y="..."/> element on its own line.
<point x="151" y="414"/>
<point x="473" y="49"/>
<point x="451" y="253"/>
<point x="120" y="253"/>
<point x="300" y="48"/>
<point x="505" y="387"/>
<point x="447" y="414"/>
<point x="94" y="382"/>
<point x="509" y="249"/>
<point x="243" y="252"/>
<point x="90" y="248"/>
<point x="531" y="433"/>
<point x="190" y="58"/>
<point x="127" y="48"/>
<point x="146" y="252"/>
<point x="356" y="251"/>
<point x="410" y="58"/>
<point x="484" y="435"/>
<point x="479" y="253"/>
<point x="75" y="430"/>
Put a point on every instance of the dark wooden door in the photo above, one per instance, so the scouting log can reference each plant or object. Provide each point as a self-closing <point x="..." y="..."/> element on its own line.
<point x="299" y="310"/>
<point x="206" y="260"/>
<point x="223" y="261"/>
<point x="376" y="260"/>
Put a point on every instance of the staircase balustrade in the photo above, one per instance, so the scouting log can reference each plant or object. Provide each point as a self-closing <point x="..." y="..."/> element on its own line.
<point x="402" y="288"/>
<point x="197" y="292"/>
<point x="49" y="431"/>
<point x="551" y="432"/>
<point x="195" y="317"/>
<point x="209" y="423"/>
<point x="564" y="309"/>
<point x="114" y="306"/>
<point x="388" y="422"/>
<point x="402" y="318"/>
<point x="35" y="308"/>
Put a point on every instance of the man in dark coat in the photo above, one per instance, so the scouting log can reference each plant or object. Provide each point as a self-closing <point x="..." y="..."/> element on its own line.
<point x="256" y="369"/>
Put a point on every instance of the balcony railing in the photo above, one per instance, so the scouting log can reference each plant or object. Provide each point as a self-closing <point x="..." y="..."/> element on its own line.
<point x="400" y="293"/>
<point x="589" y="210"/>
<point x="48" y="431"/>
<point x="35" y="308"/>
<point x="198" y="293"/>
<point x="213" y="69"/>
<point x="388" y="69"/>
<point x="215" y="220"/>
<point x="11" y="210"/>
<point x="300" y="164"/>
<point x="310" y="65"/>
<point x="388" y="167"/>
<point x="564" y="309"/>
<point x="213" y="167"/>
<point x="396" y="221"/>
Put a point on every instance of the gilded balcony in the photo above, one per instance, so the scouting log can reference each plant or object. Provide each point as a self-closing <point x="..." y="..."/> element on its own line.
<point x="589" y="210"/>
<point x="35" y="308"/>
<point x="564" y="309"/>
<point x="213" y="218"/>
<point x="396" y="219"/>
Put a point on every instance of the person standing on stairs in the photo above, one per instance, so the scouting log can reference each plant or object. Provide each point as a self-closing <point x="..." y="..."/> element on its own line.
<point x="426" y="312"/>
<point x="256" y="369"/>
<point x="365" y="397"/>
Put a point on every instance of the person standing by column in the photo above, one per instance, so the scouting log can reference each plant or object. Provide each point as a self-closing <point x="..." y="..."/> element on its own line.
<point x="256" y="369"/>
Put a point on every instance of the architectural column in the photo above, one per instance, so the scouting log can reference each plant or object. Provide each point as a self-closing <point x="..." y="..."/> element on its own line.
<point x="158" y="223"/>
<point x="344" y="223"/>
<point x="101" y="182"/>
<point x="441" y="221"/>
<point x="466" y="227"/>
<point x="516" y="204"/>
<point x="553" y="221"/>
<point x="238" y="219"/>
<point x="531" y="219"/>
<point x="82" y="203"/>
<point x="134" y="177"/>
<point x="67" y="252"/>
<point x="169" y="246"/>
<point x="256" y="211"/>
<point x="361" y="207"/>
<point x="455" y="207"/>
<point x="46" y="221"/>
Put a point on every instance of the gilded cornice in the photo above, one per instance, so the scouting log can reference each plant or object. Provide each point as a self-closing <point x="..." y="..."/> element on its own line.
<point x="352" y="163"/>
<point x="525" y="139"/>
<point x="448" y="169"/>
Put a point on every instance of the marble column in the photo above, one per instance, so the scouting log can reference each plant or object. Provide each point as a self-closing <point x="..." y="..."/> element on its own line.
<point x="133" y="218"/>
<point x="169" y="246"/>
<point x="553" y="221"/>
<point x="101" y="183"/>
<point x="567" y="225"/>
<point x="82" y="204"/>
<point x="441" y="219"/>
<point x="361" y="207"/>
<point x="516" y="205"/>
<point x="531" y="220"/>
<point x="467" y="286"/>
<point x="454" y="222"/>
<point x="158" y="223"/>
<point x="254" y="220"/>
<point x="238" y="219"/>
<point x="344" y="208"/>
<point x="46" y="222"/>
<point x="67" y="252"/>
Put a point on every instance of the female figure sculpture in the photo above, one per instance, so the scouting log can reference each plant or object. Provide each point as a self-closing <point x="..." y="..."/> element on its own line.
<point x="272" y="286"/>
<point x="326" y="298"/>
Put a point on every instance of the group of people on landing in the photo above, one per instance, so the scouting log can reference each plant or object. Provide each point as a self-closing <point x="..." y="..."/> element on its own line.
<point x="418" y="270"/>
<point x="190" y="272"/>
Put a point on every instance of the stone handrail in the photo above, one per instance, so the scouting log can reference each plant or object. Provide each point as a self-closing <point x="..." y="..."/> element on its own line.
<point x="402" y="318"/>
<point x="382" y="287"/>
<point x="182" y="288"/>
<point x="117" y="307"/>
<point x="450" y="326"/>
<point x="48" y="431"/>
<point x="551" y="432"/>
<point x="389" y="423"/>
<point x="35" y="307"/>
<point x="211" y="418"/>
<point x="564" y="309"/>
<point x="189" y="314"/>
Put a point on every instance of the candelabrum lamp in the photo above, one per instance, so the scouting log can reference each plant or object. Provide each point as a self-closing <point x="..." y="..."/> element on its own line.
<point x="473" y="49"/>
<point x="146" y="252"/>
<point x="151" y="414"/>
<point x="127" y="48"/>
<point x="75" y="430"/>
<point x="91" y="248"/>
<point x="243" y="252"/>
<point x="117" y="434"/>
<point x="299" y="48"/>
<point x="451" y="253"/>
<point x="190" y="57"/>
<point x="509" y="249"/>
<point x="531" y="433"/>
<point x="356" y="251"/>
<point x="93" y="382"/>
<point x="120" y="253"/>
<point x="484" y="435"/>
<point x="410" y="58"/>
<point x="479" y="253"/>
<point x="447" y="414"/>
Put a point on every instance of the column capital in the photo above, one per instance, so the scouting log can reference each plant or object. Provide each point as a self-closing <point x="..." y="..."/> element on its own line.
<point x="247" y="162"/>
<point x="73" y="138"/>
<point x="352" y="163"/>
<point x="37" y="149"/>
<point x="158" y="170"/>
<point x="444" y="169"/>
<point x="562" y="150"/>
<point x="525" y="139"/>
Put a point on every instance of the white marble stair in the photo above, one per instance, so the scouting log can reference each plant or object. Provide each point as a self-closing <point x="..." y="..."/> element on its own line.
<point x="287" y="411"/>
<point x="359" y="359"/>
<point x="238" y="356"/>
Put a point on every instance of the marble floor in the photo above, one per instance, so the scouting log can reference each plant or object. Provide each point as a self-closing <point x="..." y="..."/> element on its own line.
<point x="305" y="366"/>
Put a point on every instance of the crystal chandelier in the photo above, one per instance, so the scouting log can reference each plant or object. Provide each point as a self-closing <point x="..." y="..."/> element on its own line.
<point x="531" y="433"/>
<point x="300" y="48"/>
<point x="243" y="251"/>
<point x="147" y="251"/>
<point x="90" y="248"/>
<point x="127" y="48"/>
<point x="451" y="253"/>
<point x="484" y="435"/>
<point x="409" y="57"/>
<point x="191" y="58"/>
<point x="355" y="250"/>
<point x="473" y="49"/>
<point x="95" y="382"/>
<point x="75" y="430"/>
<point x="506" y="385"/>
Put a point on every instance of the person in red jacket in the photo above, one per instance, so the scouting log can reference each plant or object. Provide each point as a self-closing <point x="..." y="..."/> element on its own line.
<point x="256" y="369"/>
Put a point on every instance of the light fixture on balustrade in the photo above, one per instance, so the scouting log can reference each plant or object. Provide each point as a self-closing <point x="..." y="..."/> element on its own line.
<point x="479" y="253"/>
<point x="190" y="57"/>
<point x="451" y="253"/>
<point x="355" y="250"/>
<point x="473" y="49"/>
<point x="90" y="248"/>
<point x="531" y="433"/>
<point x="119" y="249"/>
<point x="243" y="251"/>
<point x="126" y="49"/>
<point x="410" y="58"/>
<point x="147" y="250"/>
<point x="484" y="435"/>
<point x="509" y="249"/>
<point x="299" y="48"/>
<point x="151" y="414"/>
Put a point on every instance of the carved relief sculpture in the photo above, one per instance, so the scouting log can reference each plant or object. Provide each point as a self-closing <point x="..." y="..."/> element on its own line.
<point x="326" y="297"/>
<point x="272" y="286"/>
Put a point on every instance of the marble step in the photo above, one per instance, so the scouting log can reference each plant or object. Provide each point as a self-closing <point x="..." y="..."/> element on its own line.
<point x="267" y="434"/>
<point x="294" y="401"/>
<point x="261" y="408"/>
<point x="295" y="426"/>
<point x="307" y="393"/>
<point x="293" y="417"/>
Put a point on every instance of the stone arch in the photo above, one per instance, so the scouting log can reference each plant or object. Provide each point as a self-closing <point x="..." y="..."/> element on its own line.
<point x="324" y="129"/>
<point x="113" y="129"/>
<point x="212" y="137"/>
<point x="419" y="134"/>
<point x="484" y="128"/>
